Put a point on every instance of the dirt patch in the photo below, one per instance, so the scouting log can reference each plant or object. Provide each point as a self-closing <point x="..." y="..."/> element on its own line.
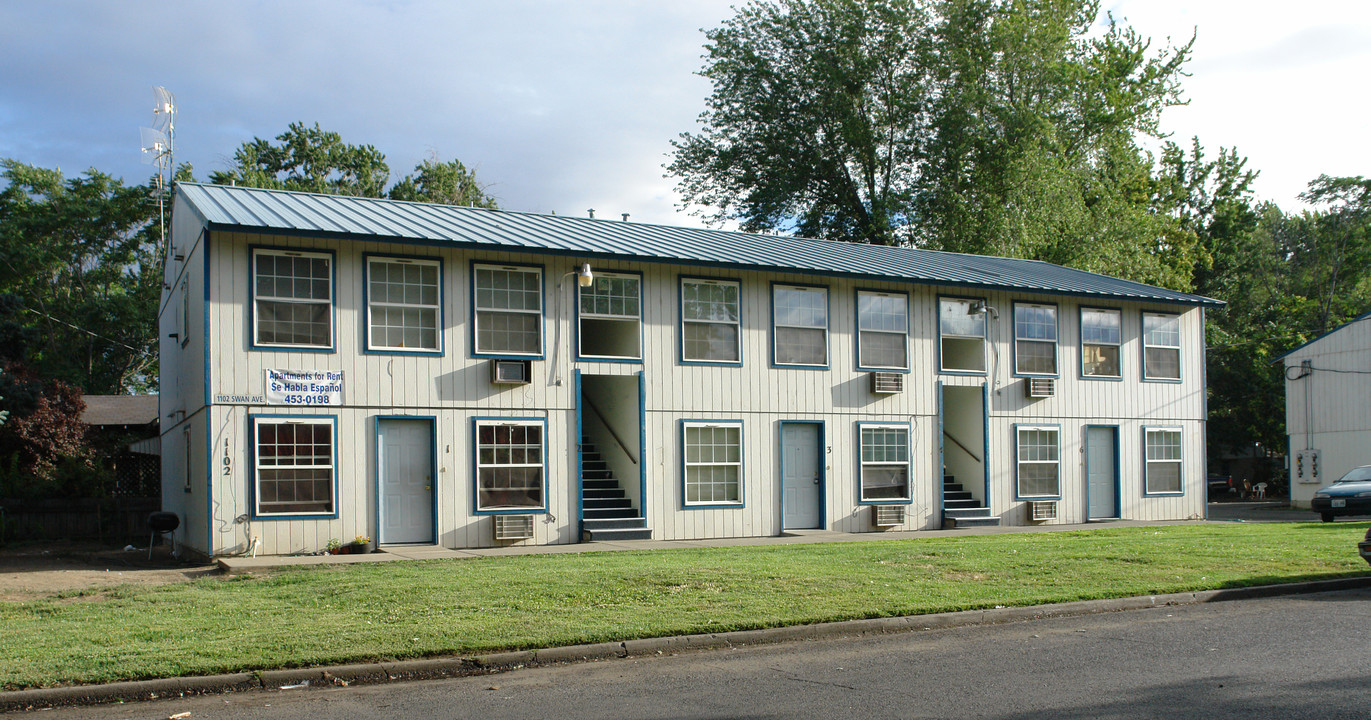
<point x="34" y="571"/>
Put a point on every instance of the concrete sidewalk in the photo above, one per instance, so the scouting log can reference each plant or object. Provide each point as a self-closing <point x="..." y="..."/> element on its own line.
<point x="237" y="565"/>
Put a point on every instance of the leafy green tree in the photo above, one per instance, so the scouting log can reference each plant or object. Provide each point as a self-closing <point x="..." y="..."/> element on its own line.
<point x="310" y="159"/>
<point x="1000" y="126"/>
<point x="80" y="268"/>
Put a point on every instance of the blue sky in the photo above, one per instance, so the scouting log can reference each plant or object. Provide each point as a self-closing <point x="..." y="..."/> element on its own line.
<point x="562" y="107"/>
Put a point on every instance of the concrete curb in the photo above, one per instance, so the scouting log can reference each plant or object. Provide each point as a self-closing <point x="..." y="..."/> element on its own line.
<point x="456" y="666"/>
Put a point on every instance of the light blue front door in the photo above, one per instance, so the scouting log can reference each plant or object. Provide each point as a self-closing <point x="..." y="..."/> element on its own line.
<point x="801" y="477"/>
<point x="1101" y="467"/>
<point x="406" y="479"/>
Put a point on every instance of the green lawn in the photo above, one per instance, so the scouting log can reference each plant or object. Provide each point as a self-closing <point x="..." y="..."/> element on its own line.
<point x="351" y="613"/>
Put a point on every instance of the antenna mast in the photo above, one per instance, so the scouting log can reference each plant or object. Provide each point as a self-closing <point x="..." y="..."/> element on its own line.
<point x="157" y="144"/>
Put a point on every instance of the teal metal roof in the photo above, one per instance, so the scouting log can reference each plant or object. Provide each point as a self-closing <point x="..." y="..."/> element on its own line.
<point x="280" y="212"/>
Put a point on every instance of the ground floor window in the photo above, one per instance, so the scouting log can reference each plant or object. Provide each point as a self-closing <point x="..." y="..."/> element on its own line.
<point x="1163" y="460"/>
<point x="885" y="463"/>
<point x="293" y="466"/>
<point x="509" y="465"/>
<point x="1037" y="453"/>
<point x="713" y="463"/>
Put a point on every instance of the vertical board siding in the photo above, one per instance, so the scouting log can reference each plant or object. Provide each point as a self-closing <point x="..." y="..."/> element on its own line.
<point x="454" y="388"/>
<point x="1326" y="408"/>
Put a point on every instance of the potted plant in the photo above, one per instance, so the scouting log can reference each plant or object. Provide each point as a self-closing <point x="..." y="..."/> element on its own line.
<point x="334" y="547"/>
<point x="360" y="545"/>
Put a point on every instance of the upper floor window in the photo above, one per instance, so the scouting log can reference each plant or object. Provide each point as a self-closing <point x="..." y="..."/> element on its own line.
<point x="509" y="309"/>
<point x="1035" y="339"/>
<point x="1101" y="336"/>
<point x="610" y="314"/>
<point x="711" y="313"/>
<point x="1163" y="460"/>
<point x="403" y="300"/>
<point x="882" y="330"/>
<point x="1038" y="459"/>
<point x="1161" y="346"/>
<point x="800" y="317"/>
<point x="292" y="298"/>
<point x="961" y="326"/>
<point x="885" y="463"/>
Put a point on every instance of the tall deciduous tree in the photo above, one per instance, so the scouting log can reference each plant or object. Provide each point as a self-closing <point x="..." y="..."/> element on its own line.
<point x="445" y="183"/>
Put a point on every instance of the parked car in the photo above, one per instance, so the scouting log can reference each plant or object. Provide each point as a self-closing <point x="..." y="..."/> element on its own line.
<point x="1221" y="485"/>
<point x="1350" y="495"/>
<point x="1364" y="547"/>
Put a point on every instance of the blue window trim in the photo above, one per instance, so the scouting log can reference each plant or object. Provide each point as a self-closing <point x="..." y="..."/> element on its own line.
<point x="1118" y="478"/>
<point x="681" y="280"/>
<point x="909" y="463"/>
<point x="542" y="311"/>
<point x="1180" y="429"/>
<point x="1056" y="342"/>
<point x="252" y="466"/>
<point x="1061" y="480"/>
<point x="828" y="317"/>
<point x="1080" y="347"/>
<point x="742" y="465"/>
<point x="576" y="328"/>
<point x="1180" y="349"/>
<point x="475" y="470"/>
<point x="823" y="468"/>
<point x="253" y="250"/>
<point x="857" y="330"/>
<point x="985" y="339"/>
<point x="432" y="421"/>
<point x="367" y="349"/>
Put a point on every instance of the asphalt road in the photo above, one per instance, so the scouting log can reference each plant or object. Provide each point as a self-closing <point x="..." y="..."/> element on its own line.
<point x="1305" y="656"/>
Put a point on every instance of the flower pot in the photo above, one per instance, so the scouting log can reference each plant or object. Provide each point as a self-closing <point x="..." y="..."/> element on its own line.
<point x="357" y="548"/>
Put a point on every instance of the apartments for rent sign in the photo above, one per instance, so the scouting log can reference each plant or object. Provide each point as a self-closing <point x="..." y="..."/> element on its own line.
<point x="304" y="387"/>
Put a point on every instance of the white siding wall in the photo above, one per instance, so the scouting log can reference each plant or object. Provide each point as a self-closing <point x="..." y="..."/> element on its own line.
<point x="454" y="388"/>
<point x="1326" y="410"/>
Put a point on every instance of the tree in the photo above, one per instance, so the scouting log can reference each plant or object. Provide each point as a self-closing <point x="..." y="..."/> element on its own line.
<point x="80" y="278"/>
<point x="310" y="159"/>
<point x="996" y="126"/>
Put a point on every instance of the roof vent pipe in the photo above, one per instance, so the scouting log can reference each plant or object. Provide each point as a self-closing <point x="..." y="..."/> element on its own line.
<point x="592" y="213"/>
<point x="625" y="216"/>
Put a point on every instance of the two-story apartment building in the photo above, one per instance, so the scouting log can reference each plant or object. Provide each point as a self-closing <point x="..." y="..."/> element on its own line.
<point x="421" y="374"/>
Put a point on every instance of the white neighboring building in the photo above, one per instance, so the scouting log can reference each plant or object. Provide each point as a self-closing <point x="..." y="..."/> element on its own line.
<point x="1328" y="407"/>
<point x="424" y="374"/>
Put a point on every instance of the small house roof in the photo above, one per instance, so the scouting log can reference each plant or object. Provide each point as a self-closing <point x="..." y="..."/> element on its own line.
<point x="243" y="209"/>
<point x="119" y="409"/>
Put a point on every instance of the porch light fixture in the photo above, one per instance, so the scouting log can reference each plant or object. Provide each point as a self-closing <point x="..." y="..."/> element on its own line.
<point x="584" y="277"/>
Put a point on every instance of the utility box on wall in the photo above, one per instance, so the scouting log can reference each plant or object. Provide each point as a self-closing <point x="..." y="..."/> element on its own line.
<point x="1307" y="468"/>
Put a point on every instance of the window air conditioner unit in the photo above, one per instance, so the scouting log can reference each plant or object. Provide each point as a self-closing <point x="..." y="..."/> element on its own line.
<point x="513" y="527"/>
<point x="1040" y="510"/>
<point x="511" y="372"/>
<point x="887" y="515"/>
<point x="1041" y="387"/>
<point x="887" y="383"/>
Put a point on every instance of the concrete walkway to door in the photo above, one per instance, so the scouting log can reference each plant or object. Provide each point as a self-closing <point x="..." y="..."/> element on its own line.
<point x="391" y="553"/>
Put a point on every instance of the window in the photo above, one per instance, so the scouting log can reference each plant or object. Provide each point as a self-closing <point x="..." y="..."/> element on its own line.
<point x="710" y="314"/>
<point x="292" y="299"/>
<point x="882" y="330"/>
<point x="1035" y="339"/>
<point x="1161" y="346"/>
<point x="1039" y="465"/>
<point x="509" y="465"/>
<point x="885" y="463"/>
<point x="185" y="312"/>
<point x="713" y="463"/>
<point x="800" y="318"/>
<point x="1100" y="339"/>
<point x="294" y="466"/>
<point x="1163" y="461"/>
<point x="402" y="304"/>
<point x="611" y="317"/>
<point x="509" y="310"/>
<point x="961" y="325"/>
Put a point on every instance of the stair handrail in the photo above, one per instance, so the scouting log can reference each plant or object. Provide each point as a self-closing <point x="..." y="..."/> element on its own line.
<point x="959" y="444"/>
<point x="595" y="409"/>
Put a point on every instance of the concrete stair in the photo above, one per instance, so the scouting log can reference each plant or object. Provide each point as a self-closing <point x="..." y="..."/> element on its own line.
<point x="607" y="513"/>
<point x="962" y="510"/>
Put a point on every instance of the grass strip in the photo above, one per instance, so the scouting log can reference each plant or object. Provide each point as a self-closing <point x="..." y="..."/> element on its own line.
<point x="398" y="610"/>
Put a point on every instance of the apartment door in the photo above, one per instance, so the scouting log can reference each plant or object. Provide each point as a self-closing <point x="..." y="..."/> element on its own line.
<point x="801" y="460"/>
<point x="1102" y="471"/>
<point x="405" y="461"/>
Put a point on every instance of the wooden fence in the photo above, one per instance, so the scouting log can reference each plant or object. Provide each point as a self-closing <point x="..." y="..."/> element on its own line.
<point x="112" y="520"/>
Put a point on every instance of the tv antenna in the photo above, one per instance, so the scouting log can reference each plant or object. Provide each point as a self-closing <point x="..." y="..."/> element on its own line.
<point x="157" y="144"/>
